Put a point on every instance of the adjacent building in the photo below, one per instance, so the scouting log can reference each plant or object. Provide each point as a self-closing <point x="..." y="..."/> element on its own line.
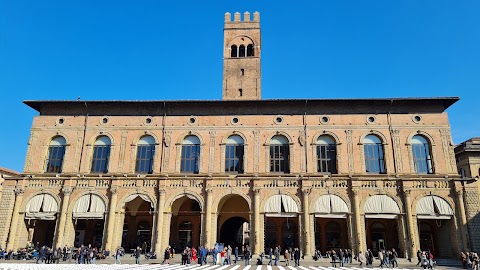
<point x="310" y="173"/>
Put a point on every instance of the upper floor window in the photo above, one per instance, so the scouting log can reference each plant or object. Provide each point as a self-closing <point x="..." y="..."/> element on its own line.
<point x="242" y="51"/>
<point x="374" y="158"/>
<point x="279" y="154"/>
<point x="422" y="158"/>
<point x="101" y="155"/>
<point x="56" y="152"/>
<point x="233" y="51"/>
<point x="190" y="154"/>
<point x="234" y="154"/>
<point x="250" y="51"/>
<point x="145" y="154"/>
<point x="326" y="154"/>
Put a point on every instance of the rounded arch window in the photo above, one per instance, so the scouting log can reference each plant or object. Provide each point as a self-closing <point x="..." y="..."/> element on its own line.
<point x="279" y="140"/>
<point x="234" y="51"/>
<point x="374" y="157"/>
<point x="235" y="139"/>
<point x="234" y="154"/>
<point x="241" y="51"/>
<point x="190" y="140"/>
<point x="250" y="51"/>
<point x="146" y="140"/>
<point x="103" y="141"/>
<point x="326" y="154"/>
<point x="422" y="158"/>
<point x="58" y="141"/>
<point x="56" y="153"/>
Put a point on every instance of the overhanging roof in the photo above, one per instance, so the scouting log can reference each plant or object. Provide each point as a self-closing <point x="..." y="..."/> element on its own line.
<point x="192" y="107"/>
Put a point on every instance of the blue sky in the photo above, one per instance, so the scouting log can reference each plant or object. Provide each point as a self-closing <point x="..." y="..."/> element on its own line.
<point x="151" y="49"/>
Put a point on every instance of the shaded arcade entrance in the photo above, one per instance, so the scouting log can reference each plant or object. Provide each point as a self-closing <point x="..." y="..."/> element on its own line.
<point x="138" y="222"/>
<point x="234" y="222"/>
<point x="41" y="220"/>
<point x="330" y="223"/>
<point x="281" y="223"/>
<point x="185" y="226"/>
<point x="89" y="220"/>
<point x="435" y="226"/>
<point x="381" y="224"/>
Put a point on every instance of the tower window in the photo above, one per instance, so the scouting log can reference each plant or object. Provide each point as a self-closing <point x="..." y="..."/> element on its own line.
<point x="234" y="51"/>
<point x="243" y="71"/>
<point x="250" y="51"/>
<point x="240" y="92"/>
<point x="241" y="52"/>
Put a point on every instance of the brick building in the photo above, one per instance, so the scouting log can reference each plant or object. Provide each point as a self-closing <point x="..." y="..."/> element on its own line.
<point x="308" y="173"/>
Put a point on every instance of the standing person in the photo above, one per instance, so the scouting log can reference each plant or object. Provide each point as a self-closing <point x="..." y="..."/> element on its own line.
<point x="296" y="256"/>
<point x="138" y="251"/>
<point x="287" y="257"/>
<point x="276" y="253"/>
<point x="341" y="257"/>
<point x="394" y="258"/>
<point x="144" y="248"/>
<point x="201" y="255"/>
<point x="214" y="255"/>
<point x="64" y="253"/>
<point x="247" y="255"/>
<point x="236" y="255"/>
<point x="118" y="254"/>
<point x="419" y="258"/>
<point x="41" y="256"/>
<point x="361" y="258"/>
<point x="166" y="256"/>
<point x="270" y="256"/>
<point x="194" y="255"/>
<point x="229" y="255"/>
<point x="381" y="256"/>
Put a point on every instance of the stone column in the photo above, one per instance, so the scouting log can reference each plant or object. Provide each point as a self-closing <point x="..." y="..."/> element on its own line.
<point x="13" y="226"/>
<point x="358" y="225"/>
<point x="306" y="220"/>
<point x="111" y="218"/>
<point x="63" y="217"/>
<point x="412" y="239"/>
<point x="160" y="210"/>
<point x="463" y="220"/>
<point x="208" y="219"/>
<point x="256" y="227"/>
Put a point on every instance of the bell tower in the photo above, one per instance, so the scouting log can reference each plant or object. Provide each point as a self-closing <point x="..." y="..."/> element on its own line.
<point x="241" y="57"/>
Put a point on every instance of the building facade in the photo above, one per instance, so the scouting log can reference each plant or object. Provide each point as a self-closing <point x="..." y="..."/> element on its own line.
<point x="311" y="173"/>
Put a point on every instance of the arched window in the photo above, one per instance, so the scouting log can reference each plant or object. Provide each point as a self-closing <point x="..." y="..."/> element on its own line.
<point x="190" y="154"/>
<point x="241" y="51"/>
<point x="56" y="152"/>
<point x="250" y="51"/>
<point x="234" y="154"/>
<point x="234" y="51"/>
<point x="279" y="154"/>
<point x="326" y="154"/>
<point x="374" y="159"/>
<point x="421" y="155"/>
<point x="101" y="155"/>
<point x="145" y="154"/>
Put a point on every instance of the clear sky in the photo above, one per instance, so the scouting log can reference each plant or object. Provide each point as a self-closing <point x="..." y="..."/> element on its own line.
<point x="152" y="49"/>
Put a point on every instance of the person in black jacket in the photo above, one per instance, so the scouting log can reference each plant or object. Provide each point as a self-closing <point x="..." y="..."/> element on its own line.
<point x="296" y="256"/>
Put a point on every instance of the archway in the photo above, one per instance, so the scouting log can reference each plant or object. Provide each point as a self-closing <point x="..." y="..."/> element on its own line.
<point x="185" y="227"/>
<point x="89" y="220"/>
<point x="435" y="226"/>
<point x="281" y="222"/>
<point x="233" y="222"/>
<point x="40" y="219"/>
<point x="382" y="214"/>
<point x="138" y="222"/>
<point x="330" y="223"/>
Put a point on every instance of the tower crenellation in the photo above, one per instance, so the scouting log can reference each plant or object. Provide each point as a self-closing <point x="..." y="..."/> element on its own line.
<point x="241" y="58"/>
